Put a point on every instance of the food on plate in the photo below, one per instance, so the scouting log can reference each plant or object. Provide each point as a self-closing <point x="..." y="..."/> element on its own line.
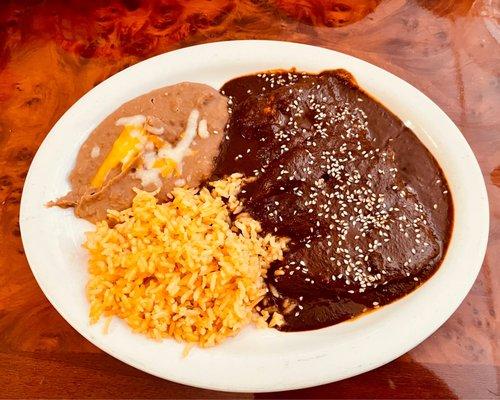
<point x="193" y="271"/>
<point x="165" y="138"/>
<point x="290" y="199"/>
<point x="365" y="205"/>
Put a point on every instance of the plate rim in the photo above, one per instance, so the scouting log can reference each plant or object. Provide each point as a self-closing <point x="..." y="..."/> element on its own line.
<point x="25" y="231"/>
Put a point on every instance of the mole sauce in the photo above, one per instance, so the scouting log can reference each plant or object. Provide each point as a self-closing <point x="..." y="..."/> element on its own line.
<point x="365" y="204"/>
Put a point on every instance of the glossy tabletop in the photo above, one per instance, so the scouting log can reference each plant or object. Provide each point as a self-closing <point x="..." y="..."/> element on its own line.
<point x="53" y="51"/>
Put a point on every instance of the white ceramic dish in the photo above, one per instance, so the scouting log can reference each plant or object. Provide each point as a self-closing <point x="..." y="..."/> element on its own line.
<point x="256" y="360"/>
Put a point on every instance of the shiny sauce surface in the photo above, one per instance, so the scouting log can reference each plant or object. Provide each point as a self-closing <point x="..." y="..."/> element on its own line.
<point x="365" y="204"/>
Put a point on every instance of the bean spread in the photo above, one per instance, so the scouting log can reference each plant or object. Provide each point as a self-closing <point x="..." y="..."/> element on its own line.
<point x="365" y="204"/>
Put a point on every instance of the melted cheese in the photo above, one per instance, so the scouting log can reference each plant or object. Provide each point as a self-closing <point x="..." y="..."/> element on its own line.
<point x="175" y="155"/>
<point x="203" y="129"/>
<point x="149" y="177"/>
<point x="159" y="158"/>
<point x="94" y="153"/>
<point x="157" y="141"/>
<point x="134" y="120"/>
<point x="147" y="173"/>
<point x="154" y="130"/>
<point x="125" y="150"/>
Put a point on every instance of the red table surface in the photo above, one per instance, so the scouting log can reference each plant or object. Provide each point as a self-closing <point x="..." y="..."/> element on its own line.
<point x="52" y="52"/>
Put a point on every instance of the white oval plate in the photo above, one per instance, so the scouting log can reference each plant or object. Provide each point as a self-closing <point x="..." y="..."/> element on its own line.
<point x="255" y="360"/>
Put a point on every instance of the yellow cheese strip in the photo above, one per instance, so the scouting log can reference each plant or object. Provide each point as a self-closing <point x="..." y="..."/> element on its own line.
<point x="157" y="141"/>
<point x="125" y="151"/>
<point x="167" y="166"/>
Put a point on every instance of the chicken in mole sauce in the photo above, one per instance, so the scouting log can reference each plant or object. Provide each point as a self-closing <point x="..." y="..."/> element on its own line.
<point x="365" y="204"/>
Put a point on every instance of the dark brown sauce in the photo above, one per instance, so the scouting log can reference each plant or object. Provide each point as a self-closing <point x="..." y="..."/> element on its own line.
<point x="365" y="204"/>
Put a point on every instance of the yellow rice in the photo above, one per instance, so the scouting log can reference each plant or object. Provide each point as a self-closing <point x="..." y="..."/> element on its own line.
<point x="189" y="269"/>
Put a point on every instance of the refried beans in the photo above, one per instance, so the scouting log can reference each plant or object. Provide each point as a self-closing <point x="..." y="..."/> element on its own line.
<point x="165" y="114"/>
